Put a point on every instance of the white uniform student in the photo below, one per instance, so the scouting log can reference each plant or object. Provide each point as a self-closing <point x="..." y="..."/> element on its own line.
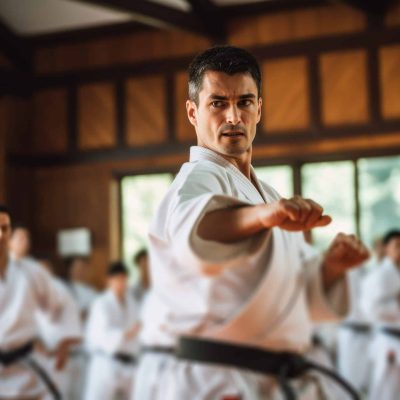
<point x="77" y="269"/>
<point x="53" y="332"/>
<point x="224" y="264"/>
<point x="380" y="301"/>
<point x="354" y="337"/>
<point x="111" y="339"/>
<point x="25" y="287"/>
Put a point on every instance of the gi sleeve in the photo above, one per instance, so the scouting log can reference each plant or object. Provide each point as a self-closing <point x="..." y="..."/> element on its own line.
<point x="48" y="296"/>
<point x="200" y="194"/>
<point x="324" y="306"/>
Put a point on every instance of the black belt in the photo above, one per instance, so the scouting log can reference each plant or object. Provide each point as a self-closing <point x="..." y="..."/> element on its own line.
<point x="22" y="353"/>
<point x="125" y="358"/>
<point x="12" y="356"/>
<point x="282" y="365"/>
<point x="357" y="327"/>
<point x="392" y="332"/>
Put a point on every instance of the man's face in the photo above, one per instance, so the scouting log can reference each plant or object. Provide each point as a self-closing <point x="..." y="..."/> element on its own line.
<point x="118" y="283"/>
<point x="227" y="114"/>
<point x="20" y="242"/>
<point x="393" y="250"/>
<point x="5" y="233"/>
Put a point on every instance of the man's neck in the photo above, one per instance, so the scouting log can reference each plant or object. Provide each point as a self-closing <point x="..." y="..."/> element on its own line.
<point x="242" y="163"/>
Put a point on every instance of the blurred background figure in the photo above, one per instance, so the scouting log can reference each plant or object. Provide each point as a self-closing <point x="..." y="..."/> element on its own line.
<point x="20" y="243"/>
<point x="51" y="332"/>
<point x="140" y="289"/>
<point x="380" y="302"/>
<point x="77" y="269"/>
<point x="111" y="338"/>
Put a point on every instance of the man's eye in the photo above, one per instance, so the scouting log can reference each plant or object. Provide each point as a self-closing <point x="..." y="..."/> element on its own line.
<point x="216" y="103"/>
<point x="245" y="102"/>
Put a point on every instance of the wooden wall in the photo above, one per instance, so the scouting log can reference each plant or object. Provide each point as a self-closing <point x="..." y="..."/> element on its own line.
<point x="102" y="107"/>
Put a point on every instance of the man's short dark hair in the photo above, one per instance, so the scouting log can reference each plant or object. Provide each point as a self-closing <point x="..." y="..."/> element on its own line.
<point x="117" y="268"/>
<point x="228" y="59"/>
<point x="393" y="234"/>
<point x="141" y="253"/>
<point x="5" y="210"/>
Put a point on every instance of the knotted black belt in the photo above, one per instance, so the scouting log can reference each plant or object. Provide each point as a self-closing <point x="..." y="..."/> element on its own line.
<point x="282" y="365"/>
<point x="21" y="353"/>
<point x="11" y="356"/>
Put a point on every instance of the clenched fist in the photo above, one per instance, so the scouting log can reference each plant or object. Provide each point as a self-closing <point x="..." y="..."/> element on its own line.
<point x="345" y="252"/>
<point x="295" y="214"/>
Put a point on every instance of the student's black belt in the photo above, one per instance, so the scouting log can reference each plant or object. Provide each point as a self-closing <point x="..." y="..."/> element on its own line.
<point x="282" y="365"/>
<point x="125" y="358"/>
<point x="357" y="327"/>
<point x="392" y="332"/>
<point x="11" y="356"/>
<point x="21" y="354"/>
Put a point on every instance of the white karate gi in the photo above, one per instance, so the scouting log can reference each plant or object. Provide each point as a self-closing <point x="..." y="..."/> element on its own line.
<point x="263" y="291"/>
<point x="380" y="302"/>
<point x="83" y="294"/>
<point x="105" y="337"/>
<point x="53" y="332"/>
<point x="26" y="288"/>
<point x="352" y="345"/>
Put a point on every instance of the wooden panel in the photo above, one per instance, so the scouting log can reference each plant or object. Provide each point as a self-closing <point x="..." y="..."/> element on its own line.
<point x="146" y="111"/>
<point x="393" y="16"/>
<point x="390" y="81"/>
<point x="71" y="198"/>
<point x="184" y="129"/>
<point x="4" y="61"/>
<point x="96" y="116"/>
<point x="294" y="25"/>
<point x="285" y="94"/>
<point x="17" y="124"/>
<point x="2" y="152"/>
<point x="129" y="48"/>
<point x="344" y="87"/>
<point x="50" y="121"/>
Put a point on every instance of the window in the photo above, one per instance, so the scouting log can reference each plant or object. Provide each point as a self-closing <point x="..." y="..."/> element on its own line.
<point x="379" y="180"/>
<point x="279" y="177"/>
<point x="141" y="195"/>
<point x="332" y="185"/>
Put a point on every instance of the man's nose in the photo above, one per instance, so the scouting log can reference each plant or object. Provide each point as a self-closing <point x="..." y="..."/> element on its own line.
<point x="233" y="115"/>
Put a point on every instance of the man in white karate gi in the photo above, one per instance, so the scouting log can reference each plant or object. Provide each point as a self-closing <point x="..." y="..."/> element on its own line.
<point x="25" y="287"/>
<point x="380" y="302"/>
<point x="227" y="255"/>
<point x="111" y="339"/>
<point x="354" y="336"/>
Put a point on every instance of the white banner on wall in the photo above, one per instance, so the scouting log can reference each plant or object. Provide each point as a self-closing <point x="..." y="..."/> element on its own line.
<point x="74" y="242"/>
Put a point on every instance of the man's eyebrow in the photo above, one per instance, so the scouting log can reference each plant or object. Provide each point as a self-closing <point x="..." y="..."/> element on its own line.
<point x="241" y="97"/>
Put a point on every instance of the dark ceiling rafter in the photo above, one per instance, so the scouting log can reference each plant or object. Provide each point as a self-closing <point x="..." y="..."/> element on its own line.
<point x="212" y="18"/>
<point x="165" y="14"/>
<point x="269" y="6"/>
<point x="89" y="33"/>
<point x="15" y="48"/>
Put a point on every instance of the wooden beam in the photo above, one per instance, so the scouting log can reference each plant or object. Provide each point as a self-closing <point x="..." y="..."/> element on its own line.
<point x="212" y="18"/>
<point x="15" y="48"/>
<point x="269" y="6"/>
<point x="158" y="12"/>
<point x="89" y="33"/>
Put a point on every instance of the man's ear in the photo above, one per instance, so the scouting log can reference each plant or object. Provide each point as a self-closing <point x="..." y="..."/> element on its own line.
<point x="191" y="110"/>
<point x="259" y="109"/>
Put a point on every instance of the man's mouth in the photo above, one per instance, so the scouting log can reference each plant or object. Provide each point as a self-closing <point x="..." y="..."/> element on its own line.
<point x="232" y="134"/>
